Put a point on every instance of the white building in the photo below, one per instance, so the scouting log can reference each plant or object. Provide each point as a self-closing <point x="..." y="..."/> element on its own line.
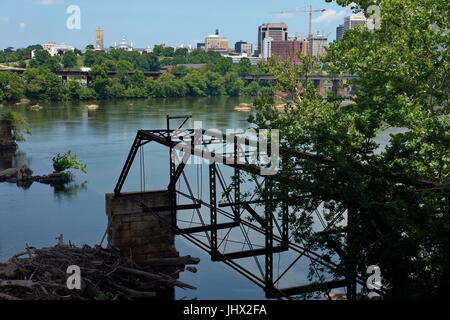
<point x="217" y="43"/>
<point x="123" y="45"/>
<point x="54" y="49"/>
<point x="351" y="22"/>
<point x="317" y="45"/>
<point x="237" y="58"/>
<point x="267" y="48"/>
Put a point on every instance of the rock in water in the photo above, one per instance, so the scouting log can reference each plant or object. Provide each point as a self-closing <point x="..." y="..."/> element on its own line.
<point x="92" y="107"/>
<point x="8" y="173"/>
<point x="24" y="173"/>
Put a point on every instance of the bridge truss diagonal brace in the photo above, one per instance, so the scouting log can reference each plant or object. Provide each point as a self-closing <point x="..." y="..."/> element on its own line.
<point x="139" y="141"/>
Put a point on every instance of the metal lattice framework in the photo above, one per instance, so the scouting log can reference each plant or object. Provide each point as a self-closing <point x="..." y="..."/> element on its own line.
<point x="234" y="214"/>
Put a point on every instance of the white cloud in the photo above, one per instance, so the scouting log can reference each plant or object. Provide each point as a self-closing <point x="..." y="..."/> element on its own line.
<point x="48" y="2"/>
<point x="285" y="15"/>
<point x="4" y="19"/>
<point x="331" y="16"/>
<point x="22" y="25"/>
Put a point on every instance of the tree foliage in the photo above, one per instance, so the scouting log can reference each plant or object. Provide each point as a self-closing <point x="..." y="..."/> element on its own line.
<point x="396" y="222"/>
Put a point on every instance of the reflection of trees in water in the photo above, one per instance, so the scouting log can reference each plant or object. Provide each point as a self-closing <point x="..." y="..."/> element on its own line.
<point x="68" y="190"/>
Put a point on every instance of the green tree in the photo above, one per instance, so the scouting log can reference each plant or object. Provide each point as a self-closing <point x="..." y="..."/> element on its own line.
<point x="391" y="221"/>
<point x="42" y="84"/>
<point x="100" y="81"/>
<point x="18" y="122"/>
<point x="123" y="69"/>
<point x="43" y="59"/>
<point x="69" y="59"/>
<point x="222" y="65"/>
<point x="233" y="84"/>
<point x="11" y="86"/>
<point x="244" y="66"/>
<point x="158" y="50"/>
<point x="181" y="52"/>
<point x="168" y="51"/>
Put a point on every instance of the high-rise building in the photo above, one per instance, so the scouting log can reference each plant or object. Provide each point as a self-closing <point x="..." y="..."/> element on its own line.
<point x="99" y="42"/>
<point x="339" y="32"/>
<point x="243" y="47"/>
<point x="317" y="45"/>
<point x="351" y="22"/>
<point x="276" y="31"/>
<point x="266" y="50"/>
<point x="215" y="42"/>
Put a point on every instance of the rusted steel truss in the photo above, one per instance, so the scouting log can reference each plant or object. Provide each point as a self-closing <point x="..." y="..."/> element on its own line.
<point x="274" y="229"/>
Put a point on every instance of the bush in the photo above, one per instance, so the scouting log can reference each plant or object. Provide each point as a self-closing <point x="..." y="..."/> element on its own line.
<point x="18" y="123"/>
<point x="67" y="161"/>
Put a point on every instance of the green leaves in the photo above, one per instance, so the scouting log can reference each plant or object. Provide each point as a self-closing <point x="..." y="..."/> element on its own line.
<point x="403" y="70"/>
<point x="66" y="161"/>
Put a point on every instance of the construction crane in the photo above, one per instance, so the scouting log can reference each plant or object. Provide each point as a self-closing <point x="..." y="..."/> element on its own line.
<point x="310" y="11"/>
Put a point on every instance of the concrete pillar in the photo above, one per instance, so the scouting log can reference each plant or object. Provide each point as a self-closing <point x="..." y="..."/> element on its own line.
<point x="338" y="88"/>
<point x="140" y="235"/>
<point x="6" y="139"/>
<point x="6" y="159"/>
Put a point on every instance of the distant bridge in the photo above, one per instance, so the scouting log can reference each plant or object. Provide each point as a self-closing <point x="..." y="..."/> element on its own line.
<point x="335" y="82"/>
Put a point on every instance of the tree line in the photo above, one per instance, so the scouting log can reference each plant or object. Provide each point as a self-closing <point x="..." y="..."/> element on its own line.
<point x="220" y="76"/>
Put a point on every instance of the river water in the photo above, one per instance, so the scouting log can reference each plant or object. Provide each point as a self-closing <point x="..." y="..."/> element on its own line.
<point x="102" y="138"/>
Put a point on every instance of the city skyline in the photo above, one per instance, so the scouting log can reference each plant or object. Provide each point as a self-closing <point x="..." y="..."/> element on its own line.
<point x="26" y="22"/>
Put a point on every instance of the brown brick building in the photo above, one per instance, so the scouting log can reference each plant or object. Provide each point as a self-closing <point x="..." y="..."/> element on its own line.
<point x="287" y="50"/>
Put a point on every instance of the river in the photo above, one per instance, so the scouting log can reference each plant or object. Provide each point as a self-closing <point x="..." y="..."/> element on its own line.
<point x="102" y="139"/>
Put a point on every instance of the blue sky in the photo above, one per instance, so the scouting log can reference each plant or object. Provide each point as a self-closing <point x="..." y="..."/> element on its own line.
<point x="149" y="22"/>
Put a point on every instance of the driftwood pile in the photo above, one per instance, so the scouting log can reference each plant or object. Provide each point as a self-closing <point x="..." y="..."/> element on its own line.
<point x="106" y="274"/>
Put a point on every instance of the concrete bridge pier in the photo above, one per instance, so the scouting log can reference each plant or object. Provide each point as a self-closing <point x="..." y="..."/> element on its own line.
<point x="338" y="88"/>
<point x="7" y="142"/>
<point x="138" y="234"/>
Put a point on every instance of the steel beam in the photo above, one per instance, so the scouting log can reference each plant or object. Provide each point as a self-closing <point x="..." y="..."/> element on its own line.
<point x="219" y="226"/>
<point x="213" y="209"/>
<point x="255" y="252"/>
<point x="315" y="287"/>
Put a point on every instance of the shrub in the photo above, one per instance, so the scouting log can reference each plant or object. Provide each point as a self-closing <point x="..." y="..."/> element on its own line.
<point x="67" y="161"/>
<point x="18" y="123"/>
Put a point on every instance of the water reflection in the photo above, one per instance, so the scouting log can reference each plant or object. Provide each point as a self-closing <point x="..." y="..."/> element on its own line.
<point x="13" y="159"/>
<point x="68" y="191"/>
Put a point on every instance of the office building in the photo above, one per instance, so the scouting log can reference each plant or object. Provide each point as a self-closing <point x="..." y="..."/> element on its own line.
<point x="339" y="32"/>
<point x="353" y="21"/>
<point x="266" y="49"/>
<point x="99" y="39"/>
<point x="317" y="45"/>
<point x="288" y="50"/>
<point x="217" y="43"/>
<point x="243" y="47"/>
<point x="276" y="31"/>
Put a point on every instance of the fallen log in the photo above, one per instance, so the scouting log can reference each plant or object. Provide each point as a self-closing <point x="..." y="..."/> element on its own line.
<point x="17" y="283"/>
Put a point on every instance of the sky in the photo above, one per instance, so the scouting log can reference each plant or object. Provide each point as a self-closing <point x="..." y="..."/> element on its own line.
<point x="150" y="22"/>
